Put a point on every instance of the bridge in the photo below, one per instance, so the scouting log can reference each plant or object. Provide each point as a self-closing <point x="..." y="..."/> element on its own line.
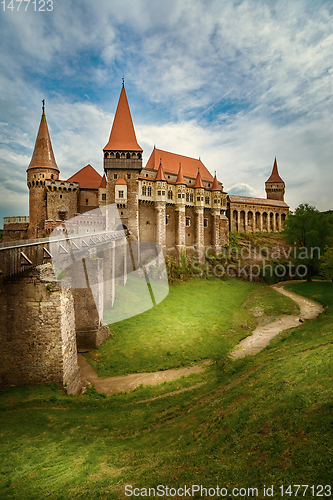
<point x="55" y="294"/>
<point x="19" y="256"/>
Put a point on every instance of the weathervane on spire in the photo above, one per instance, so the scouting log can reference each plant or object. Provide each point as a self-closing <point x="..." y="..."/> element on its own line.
<point x="123" y="82"/>
<point x="43" y="107"/>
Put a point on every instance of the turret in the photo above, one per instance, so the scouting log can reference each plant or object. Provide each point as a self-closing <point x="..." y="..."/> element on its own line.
<point x="42" y="167"/>
<point x="275" y="187"/>
<point x="123" y="160"/>
<point x="181" y="184"/>
<point x="161" y="185"/>
<point x="122" y="150"/>
<point x="199" y="191"/>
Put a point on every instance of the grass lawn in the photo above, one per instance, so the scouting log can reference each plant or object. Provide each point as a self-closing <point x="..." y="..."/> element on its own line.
<point x="199" y="319"/>
<point x="262" y="420"/>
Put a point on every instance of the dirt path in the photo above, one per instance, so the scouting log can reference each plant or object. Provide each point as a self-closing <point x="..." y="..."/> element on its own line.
<point x="262" y="335"/>
<point x="111" y="385"/>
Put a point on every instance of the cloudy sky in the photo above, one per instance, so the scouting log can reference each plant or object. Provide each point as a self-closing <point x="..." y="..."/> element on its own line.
<point x="234" y="82"/>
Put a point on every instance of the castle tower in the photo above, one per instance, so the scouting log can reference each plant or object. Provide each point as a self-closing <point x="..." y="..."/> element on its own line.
<point x="275" y="187"/>
<point x="180" y="212"/>
<point x="215" y="213"/>
<point x="161" y="189"/>
<point x="199" y="190"/>
<point x="42" y="167"/>
<point x="123" y="160"/>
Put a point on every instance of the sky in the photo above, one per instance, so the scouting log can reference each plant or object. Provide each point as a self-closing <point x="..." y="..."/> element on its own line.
<point x="236" y="83"/>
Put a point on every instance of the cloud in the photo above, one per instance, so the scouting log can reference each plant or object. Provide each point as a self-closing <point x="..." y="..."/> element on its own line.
<point x="235" y="82"/>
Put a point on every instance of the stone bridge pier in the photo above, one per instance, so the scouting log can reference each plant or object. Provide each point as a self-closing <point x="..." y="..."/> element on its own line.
<point x="38" y="333"/>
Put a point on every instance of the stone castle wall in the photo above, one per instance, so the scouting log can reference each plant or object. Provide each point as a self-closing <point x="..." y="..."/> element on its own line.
<point x="38" y="344"/>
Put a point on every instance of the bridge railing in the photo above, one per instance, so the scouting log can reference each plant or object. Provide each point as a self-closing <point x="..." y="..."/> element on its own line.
<point x="17" y="256"/>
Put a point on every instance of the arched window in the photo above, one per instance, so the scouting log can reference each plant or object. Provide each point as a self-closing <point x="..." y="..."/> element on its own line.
<point x="149" y="190"/>
<point x="139" y="156"/>
<point x="128" y="156"/>
<point x="207" y="200"/>
<point x="187" y="197"/>
<point x="169" y="195"/>
<point x="144" y="191"/>
<point x="191" y="197"/>
<point x="117" y="155"/>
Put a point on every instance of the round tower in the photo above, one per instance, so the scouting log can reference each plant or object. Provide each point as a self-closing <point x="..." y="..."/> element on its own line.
<point x="275" y="187"/>
<point x="42" y="167"/>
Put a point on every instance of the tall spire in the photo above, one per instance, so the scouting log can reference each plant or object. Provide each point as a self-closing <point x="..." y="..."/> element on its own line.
<point x="43" y="156"/>
<point x="122" y="137"/>
<point x="198" y="181"/>
<point x="215" y="186"/>
<point x="160" y="176"/>
<point x="180" y="178"/>
<point x="275" y="174"/>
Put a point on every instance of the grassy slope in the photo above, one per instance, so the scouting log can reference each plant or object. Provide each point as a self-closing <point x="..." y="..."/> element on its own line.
<point x="265" y="419"/>
<point x="199" y="319"/>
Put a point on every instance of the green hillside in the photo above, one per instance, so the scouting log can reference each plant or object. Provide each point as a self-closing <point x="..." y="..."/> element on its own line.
<point x="252" y="423"/>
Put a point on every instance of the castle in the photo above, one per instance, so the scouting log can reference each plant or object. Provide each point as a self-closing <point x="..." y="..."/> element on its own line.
<point x="173" y="201"/>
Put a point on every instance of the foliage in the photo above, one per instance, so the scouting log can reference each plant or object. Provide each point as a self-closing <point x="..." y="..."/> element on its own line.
<point x="309" y="229"/>
<point x="326" y="264"/>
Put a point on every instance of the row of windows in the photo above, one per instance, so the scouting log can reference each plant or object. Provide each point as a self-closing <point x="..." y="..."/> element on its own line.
<point x="128" y="156"/>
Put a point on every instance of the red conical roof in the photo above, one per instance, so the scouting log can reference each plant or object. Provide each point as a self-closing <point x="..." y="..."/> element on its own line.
<point x="180" y="178"/>
<point x="215" y="186"/>
<point x="160" y="176"/>
<point x="198" y="181"/>
<point x="43" y="155"/>
<point x="122" y="137"/>
<point x="275" y="174"/>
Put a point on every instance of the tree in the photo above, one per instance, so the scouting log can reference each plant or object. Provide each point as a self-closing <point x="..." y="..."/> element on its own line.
<point x="307" y="228"/>
<point x="326" y="264"/>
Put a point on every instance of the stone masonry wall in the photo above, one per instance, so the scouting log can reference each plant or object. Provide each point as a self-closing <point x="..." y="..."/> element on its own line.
<point x="37" y="334"/>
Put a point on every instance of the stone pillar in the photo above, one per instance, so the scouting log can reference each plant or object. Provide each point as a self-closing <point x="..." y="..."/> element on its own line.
<point x="122" y="250"/>
<point x="160" y="224"/>
<point x="109" y="264"/>
<point x="199" y="241"/>
<point x="238" y="221"/>
<point x="180" y="229"/>
<point x="261" y="223"/>
<point x="246" y="221"/>
<point x="37" y="334"/>
<point x="89" y="304"/>
<point x="274" y="223"/>
<point x="278" y="222"/>
<point x="224" y="230"/>
<point x="215" y="241"/>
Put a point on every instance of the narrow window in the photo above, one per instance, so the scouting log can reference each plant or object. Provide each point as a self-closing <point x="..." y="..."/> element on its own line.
<point x="188" y="221"/>
<point x="115" y="176"/>
<point x="121" y="194"/>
